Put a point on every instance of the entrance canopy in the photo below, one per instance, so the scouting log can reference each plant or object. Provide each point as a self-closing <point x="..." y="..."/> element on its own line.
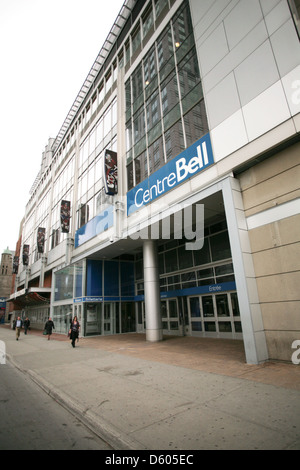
<point x="31" y="297"/>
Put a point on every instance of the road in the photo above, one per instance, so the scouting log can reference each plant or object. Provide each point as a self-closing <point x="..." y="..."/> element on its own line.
<point x="31" y="420"/>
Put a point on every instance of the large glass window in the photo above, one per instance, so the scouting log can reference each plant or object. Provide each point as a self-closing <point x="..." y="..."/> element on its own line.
<point x="64" y="284"/>
<point x="165" y="111"/>
<point x="90" y="179"/>
<point x="147" y="20"/>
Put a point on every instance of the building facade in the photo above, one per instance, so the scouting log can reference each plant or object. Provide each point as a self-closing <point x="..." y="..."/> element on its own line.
<point x="6" y="274"/>
<point x="169" y="201"/>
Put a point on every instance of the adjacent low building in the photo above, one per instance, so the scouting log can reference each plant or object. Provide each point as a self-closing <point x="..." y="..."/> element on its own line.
<point x="169" y="201"/>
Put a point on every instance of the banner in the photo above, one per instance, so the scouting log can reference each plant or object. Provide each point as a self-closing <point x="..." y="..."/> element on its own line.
<point x="41" y="239"/>
<point x="110" y="172"/>
<point x="16" y="265"/>
<point x="25" y="255"/>
<point x="65" y="214"/>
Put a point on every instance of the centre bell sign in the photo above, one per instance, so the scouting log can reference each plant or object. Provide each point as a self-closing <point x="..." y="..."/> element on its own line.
<point x="188" y="163"/>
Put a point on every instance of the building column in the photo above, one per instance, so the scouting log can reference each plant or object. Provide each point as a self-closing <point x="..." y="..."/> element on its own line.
<point x="152" y="292"/>
<point x="251" y="318"/>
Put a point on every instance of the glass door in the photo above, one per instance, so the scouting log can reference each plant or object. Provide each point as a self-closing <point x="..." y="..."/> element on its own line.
<point x="170" y="316"/>
<point x="92" y="318"/>
<point x="109" y="318"/>
<point x="215" y="315"/>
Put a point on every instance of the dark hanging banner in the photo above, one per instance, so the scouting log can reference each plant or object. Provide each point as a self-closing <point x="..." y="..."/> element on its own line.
<point x="110" y="172"/>
<point x="16" y="265"/>
<point x="41" y="239"/>
<point x="25" y="255"/>
<point x="65" y="214"/>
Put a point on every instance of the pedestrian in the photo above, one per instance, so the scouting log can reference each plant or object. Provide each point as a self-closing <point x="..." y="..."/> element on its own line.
<point x="48" y="327"/>
<point x="26" y="325"/>
<point x="74" y="330"/>
<point x="18" y="328"/>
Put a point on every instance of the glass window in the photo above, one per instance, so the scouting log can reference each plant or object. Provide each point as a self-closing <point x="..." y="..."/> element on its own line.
<point x="83" y="215"/>
<point x="169" y="93"/>
<point x="150" y="72"/>
<point x="165" y="51"/>
<point x="127" y="52"/>
<point x="195" y="122"/>
<point x="224" y="269"/>
<point x="139" y="125"/>
<point x="136" y="39"/>
<point x="64" y="284"/>
<point x="174" y="140"/>
<point x="107" y="122"/>
<point x="220" y="246"/>
<point x="225" y="327"/>
<point x="183" y="123"/>
<point x="196" y="326"/>
<point x="99" y="132"/>
<point x="101" y="92"/>
<point x="235" y="304"/>
<point x="128" y="131"/>
<point x="189" y="74"/>
<point x="137" y="88"/>
<point x="207" y="306"/>
<point x="202" y="256"/>
<point x="195" y="307"/>
<point x="159" y="6"/>
<point x="130" y="176"/>
<point x="141" y="167"/>
<point x="121" y="60"/>
<point x="188" y="280"/>
<point x="98" y="167"/>
<point x="173" y="309"/>
<point x="210" y="326"/>
<point x="171" y="261"/>
<point x="128" y="98"/>
<point x="147" y="20"/>
<point x="156" y="155"/>
<point x="153" y="111"/>
<point x="185" y="257"/>
<point x="182" y="26"/>
<point x="222" y="305"/>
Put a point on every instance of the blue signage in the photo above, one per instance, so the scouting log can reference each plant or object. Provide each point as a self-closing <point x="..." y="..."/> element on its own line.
<point x="188" y="163"/>
<point x="200" y="290"/>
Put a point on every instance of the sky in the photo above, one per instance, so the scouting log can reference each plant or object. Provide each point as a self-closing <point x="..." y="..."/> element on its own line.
<point x="47" y="48"/>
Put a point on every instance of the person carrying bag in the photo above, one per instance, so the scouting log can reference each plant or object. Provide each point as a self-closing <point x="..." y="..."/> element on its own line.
<point x="74" y="331"/>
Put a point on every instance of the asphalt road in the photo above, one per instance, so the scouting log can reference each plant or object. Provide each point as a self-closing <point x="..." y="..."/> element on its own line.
<point x="31" y="420"/>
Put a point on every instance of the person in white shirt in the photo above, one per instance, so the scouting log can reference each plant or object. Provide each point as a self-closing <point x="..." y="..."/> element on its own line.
<point x="18" y="328"/>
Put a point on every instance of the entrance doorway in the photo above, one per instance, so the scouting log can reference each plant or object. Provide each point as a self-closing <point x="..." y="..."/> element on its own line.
<point x="170" y="316"/>
<point x="109" y="318"/>
<point x="215" y="315"/>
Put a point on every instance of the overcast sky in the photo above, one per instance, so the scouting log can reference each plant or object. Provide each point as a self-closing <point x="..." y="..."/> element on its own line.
<point x="47" y="49"/>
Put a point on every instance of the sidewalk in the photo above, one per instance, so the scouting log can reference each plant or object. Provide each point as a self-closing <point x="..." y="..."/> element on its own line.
<point x="180" y="394"/>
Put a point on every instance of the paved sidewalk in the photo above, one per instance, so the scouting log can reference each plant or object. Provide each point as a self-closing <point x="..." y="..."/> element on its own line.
<point x="179" y="394"/>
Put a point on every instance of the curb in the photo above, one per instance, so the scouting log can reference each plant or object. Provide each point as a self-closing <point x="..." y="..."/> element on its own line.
<point x="103" y="430"/>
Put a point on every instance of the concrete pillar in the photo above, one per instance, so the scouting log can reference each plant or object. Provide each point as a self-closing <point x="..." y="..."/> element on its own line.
<point x="152" y="292"/>
<point x="251" y="318"/>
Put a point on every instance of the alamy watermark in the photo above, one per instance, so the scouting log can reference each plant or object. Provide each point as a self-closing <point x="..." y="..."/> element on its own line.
<point x="296" y="93"/>
<point x="2" y="353"/>
<point x="296" y="355"/>
<point x="178" y="222"/>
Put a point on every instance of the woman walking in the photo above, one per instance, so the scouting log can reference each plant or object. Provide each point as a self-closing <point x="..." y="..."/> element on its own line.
<point x="48" y="327"/>
<point x="74" y="330"/>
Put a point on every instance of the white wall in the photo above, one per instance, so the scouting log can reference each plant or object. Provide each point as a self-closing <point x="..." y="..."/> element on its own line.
<point x="249" y="57"/>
